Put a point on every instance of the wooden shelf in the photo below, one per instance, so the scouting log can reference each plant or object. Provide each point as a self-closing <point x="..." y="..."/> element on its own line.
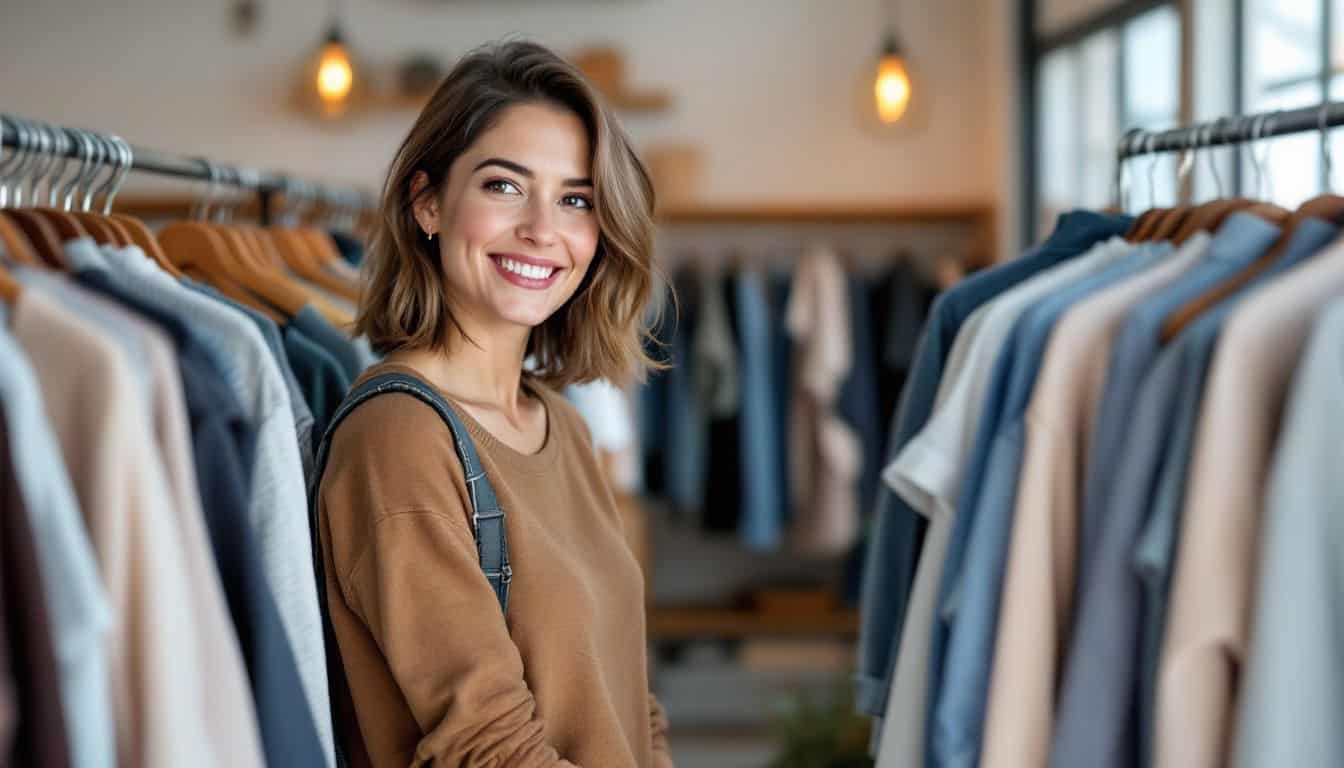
<point x="772" y="213"/>
<point x="980" y="215"/>
<point x="686" y="622"/>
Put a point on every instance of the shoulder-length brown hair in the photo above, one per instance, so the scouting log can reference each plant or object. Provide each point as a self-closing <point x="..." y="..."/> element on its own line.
<point x="599" y="332"/>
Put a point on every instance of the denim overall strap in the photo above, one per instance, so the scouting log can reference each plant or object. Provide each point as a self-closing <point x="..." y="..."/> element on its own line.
<point x="487" y="518"/>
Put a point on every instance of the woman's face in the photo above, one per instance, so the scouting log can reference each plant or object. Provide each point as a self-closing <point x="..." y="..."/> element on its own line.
<point x="515" y="224"/>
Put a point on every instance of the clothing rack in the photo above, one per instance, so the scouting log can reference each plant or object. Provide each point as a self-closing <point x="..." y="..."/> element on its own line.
<point x="75" y="143"/>
<point x="1238" y="129"/>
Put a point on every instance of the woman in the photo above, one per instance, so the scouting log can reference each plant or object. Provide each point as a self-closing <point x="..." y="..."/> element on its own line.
<point x="516" y="223"/>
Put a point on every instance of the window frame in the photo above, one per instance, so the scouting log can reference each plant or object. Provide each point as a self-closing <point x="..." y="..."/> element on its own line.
<point x="1324" y="76"/>
<point x="1034" y="48"/>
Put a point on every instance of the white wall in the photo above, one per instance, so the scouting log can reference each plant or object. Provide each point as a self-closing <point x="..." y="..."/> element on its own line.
<point x="766" y="87"/>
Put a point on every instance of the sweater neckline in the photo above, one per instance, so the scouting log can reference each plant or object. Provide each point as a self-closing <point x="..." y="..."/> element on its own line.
<point x="504" y="454"/>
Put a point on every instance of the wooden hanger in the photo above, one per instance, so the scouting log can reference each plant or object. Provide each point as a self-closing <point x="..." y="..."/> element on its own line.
<point x="16" y="243"/>
<point x="193" y="245"/>
<point x="9" y="287"/>
<point x="66" y="225"/>
<point x="258" y="255"/>
<point x="40" y="232"/>
<point x="1170" y="223"/>
<point x="138" y="234"/>
<point x="296" y="252"/>
<point x="1144" y="224"/>
<point x="325" y="253"/>
<point x="1329" y="207"/>
<point x="95" y="228"/>
<point x="1208" y="217"/>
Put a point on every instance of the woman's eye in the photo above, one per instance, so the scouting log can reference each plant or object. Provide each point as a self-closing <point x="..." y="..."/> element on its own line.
<point x="502" y="187"/>
<point x="578" y="201"/>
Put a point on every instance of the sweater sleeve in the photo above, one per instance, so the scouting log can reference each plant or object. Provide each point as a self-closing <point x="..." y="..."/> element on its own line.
<point x="408" y="568"/>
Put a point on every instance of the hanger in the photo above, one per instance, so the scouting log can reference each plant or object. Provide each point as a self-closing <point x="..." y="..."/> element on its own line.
<point x="324" y="252"/>
<point x="9" y="287"/>
<point x="1142" y="228"/>
<point x="1329" y="207"/>
<point x="45" y="141"/>
<point x="16" y="243"/>
<point x="113" y="233"/>
<point x="1264" y="209"/>
<point x="199" y="249"/>
<point x="12" y="237"/>
<point x="133" y="231"/>
<point x="40" y="233"/>
<point x="1208" y="217"/>
<point x="301" y="249"/>
<point x="1170" y="222"/>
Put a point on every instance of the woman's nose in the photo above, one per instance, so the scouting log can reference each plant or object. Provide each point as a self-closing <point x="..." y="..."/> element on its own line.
<point x="538" y="224"/>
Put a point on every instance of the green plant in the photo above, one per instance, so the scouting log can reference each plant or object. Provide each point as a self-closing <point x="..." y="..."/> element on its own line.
<point x="824" y="733"/>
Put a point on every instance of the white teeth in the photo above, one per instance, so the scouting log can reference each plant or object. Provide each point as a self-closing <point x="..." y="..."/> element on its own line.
<point x="531" y="271"/>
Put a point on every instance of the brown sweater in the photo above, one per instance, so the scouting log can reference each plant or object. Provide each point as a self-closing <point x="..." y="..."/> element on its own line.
<point x="435" y="673"/>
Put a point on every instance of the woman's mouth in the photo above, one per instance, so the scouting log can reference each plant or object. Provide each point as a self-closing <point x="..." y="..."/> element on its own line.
<point x="525" y="273"/>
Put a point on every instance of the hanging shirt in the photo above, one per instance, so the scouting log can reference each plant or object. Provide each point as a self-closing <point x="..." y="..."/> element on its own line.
<point x="36" y="731"/>
<point x="825" y="452"/>
<point x="606" y="410"/>
<point x="1038" y="583"/>
<point x="312" y="324"/>
<point x="687" y="421"/>
<point x="894" y="544"/>
<point x="210" y="470"/>
<point x="761" y="526"/>
<point x="320" y="378"/>
<point x="985" y="506"/>
<point x="857" y="401"/>
<point x="927" y="475"/>
<point x="161" y="393"/>
<point x="1241" y="239"/>
<point x="1209" y="613"/>
<point x="352" y="250"/>
<point x="79" y="612"/>
<point x="1097" y="721"/>
<point x="277" y="506"/>
<point x="303" y="415"/>
<point x="723" y="505"/>
<point x="1291" y="703"/>
<point x="189" y="704"/>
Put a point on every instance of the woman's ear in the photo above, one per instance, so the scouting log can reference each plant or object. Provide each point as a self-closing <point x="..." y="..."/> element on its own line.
<point x="425" y="205"/>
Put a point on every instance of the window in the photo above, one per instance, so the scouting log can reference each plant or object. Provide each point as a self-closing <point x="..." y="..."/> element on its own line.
<point x="1283" y="68"/>
<point x="1091" y="88"/>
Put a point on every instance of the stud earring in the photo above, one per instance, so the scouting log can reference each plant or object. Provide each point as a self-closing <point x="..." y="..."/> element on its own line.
<point x="429" y="236"/>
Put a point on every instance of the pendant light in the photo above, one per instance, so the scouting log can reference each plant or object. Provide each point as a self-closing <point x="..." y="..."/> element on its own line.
<point x="892" y="86"/>
<point x="332" y="76"/>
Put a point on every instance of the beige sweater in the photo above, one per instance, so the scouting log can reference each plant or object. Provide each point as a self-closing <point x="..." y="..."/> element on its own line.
<point x="436" y="675"/>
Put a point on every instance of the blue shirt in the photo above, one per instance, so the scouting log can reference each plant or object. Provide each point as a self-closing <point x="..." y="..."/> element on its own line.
<point x="687" y="444"/>
<point x="893" y="546"/>
<point x="971" y="581"/>
<point x="1241" y="239"/>
<point x="761" y="526"/>
<point x="1150" y="549"/>
<point x="1095" y="722"/>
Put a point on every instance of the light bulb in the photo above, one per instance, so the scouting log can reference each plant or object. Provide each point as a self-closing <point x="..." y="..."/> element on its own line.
<point x="335" y="75"/>
<point x="891" y="88"/>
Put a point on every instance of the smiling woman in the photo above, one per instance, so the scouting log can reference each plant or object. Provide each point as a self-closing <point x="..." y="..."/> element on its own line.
<point x="523" y="138"/>
<point x="516" y="222"/>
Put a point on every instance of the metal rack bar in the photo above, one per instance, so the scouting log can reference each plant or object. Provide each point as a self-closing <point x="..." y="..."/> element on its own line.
<point x="266" y="184"/>
<point x="1232" y="130"/>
